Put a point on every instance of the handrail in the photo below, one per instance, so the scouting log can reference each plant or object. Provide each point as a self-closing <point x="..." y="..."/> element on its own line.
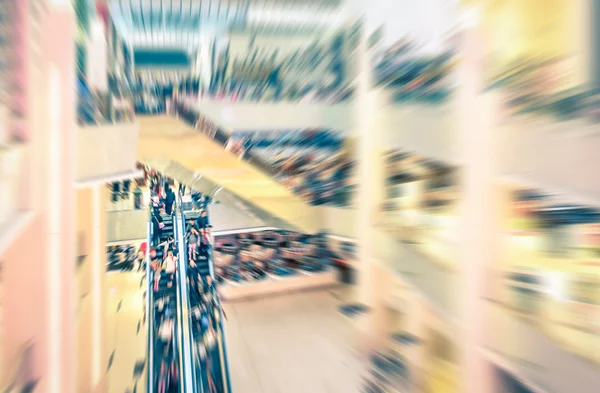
<point x="17" y="372"/>
<point x="197" y="371"/>
<point x="224" y="363"/>
<point x="150" y="309"/>
<point x="186" y="363"/>
<point x="224" y="359"/>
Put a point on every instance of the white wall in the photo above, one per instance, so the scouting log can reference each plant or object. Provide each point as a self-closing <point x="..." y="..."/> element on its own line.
<point x="126" y="225"/>
<point x="426" y="129"/>
<point x="228" y="217"/>
<point x="562" y="156"/>
<point x="340" y="221"/>
<point x="106" y="150"/>
<point x="425" y="21"/>
<point x="272" y="116"/>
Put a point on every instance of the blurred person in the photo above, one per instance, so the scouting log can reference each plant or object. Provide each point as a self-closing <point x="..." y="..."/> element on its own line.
<point x="158" y="224"/>
<point x="170" y="263"/>
<point x="155" y="264"/>
<point x="203" y="219"/>
<point x="193" y="241"/>
<point x="209" y="348"/>
<point x="169" y="200"/>
<point x="168" y="375"/>
<point x="141" y="256"/>
<point x="165" y="331"/>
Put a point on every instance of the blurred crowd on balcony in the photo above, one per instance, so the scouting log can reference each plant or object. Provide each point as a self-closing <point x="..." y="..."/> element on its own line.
<point x="312" y="163"/>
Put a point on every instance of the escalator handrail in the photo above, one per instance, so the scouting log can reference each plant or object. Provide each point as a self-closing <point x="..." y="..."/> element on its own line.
<point x="188" y="375"/>
<point x="150" y="309"/>
<point x="224" y="363"/>
<point x="197" y="372"/>
<point x="223" y="358"/>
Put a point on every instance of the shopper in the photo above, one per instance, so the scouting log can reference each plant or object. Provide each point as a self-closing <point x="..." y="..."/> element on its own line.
<point x="202" y="221"/>
<point x="169" y="200"/>
<point x="157" y="225"/>
<point x="170" y="263"/>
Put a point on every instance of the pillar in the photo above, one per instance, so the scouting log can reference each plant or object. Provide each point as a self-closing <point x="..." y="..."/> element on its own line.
<point x="38" y="265"/>
<point x="57" y="274"/>
<point x="370" y="126"/>
<point x="91" y="254"/>
<point x="475" y="138"/>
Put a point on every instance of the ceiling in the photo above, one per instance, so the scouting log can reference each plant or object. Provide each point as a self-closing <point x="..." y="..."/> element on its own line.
<point x="184" y="23"/>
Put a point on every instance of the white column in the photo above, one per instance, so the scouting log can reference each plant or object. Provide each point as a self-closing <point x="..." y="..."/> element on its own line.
<point x="477" y="211"/>
<point x="364" y="102"/>
<point x="97" y="52"/>
<point x="369" y="125"/>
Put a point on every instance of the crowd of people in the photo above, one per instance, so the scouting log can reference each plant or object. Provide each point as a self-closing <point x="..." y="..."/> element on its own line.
<point x="413" y="76"/>
<point x="536" y="86"/>
<point x="254" y="256"/>
<point x="312" y="163"/>
<point x="317" y="72"/>
<point x="405" y="167"/>
<point x="164" y="260"/>
<point x="205" y="318"/>
<point x="204" y="305"/>
<point x="95" y="106"/>
<point x="125" y="257"/>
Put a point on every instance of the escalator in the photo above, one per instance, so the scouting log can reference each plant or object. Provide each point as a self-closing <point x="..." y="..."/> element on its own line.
<point x="209" y="352"/>
<point x="196" y="157"/>
<point x="168" y="366"/>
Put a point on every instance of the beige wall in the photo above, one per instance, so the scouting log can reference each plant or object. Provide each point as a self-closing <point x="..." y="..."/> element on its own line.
<point x="126" y="225"/>
<point x="303" y="216"/>
<point x="90" y="296"/>
<point x="339" y="221"/>
<point x="273" y="116"/>
<point x="106" y="150"/>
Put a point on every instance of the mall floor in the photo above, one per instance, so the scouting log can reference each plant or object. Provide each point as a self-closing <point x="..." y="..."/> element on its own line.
<point x="297" y="342"/>
<point x="126" y="335"/>
<point x="291" y="343"/>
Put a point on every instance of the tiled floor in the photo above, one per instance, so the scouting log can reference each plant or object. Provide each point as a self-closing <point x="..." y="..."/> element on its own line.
<point x="126" y="335"/>
<point x="298" y="342"/>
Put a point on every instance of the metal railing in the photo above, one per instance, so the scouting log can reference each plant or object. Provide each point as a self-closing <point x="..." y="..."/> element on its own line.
<point x="179" y="336"/>
<point x="223" y="362"/>
<point x="184" y="333"/>
<point x="150" y="308"/>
